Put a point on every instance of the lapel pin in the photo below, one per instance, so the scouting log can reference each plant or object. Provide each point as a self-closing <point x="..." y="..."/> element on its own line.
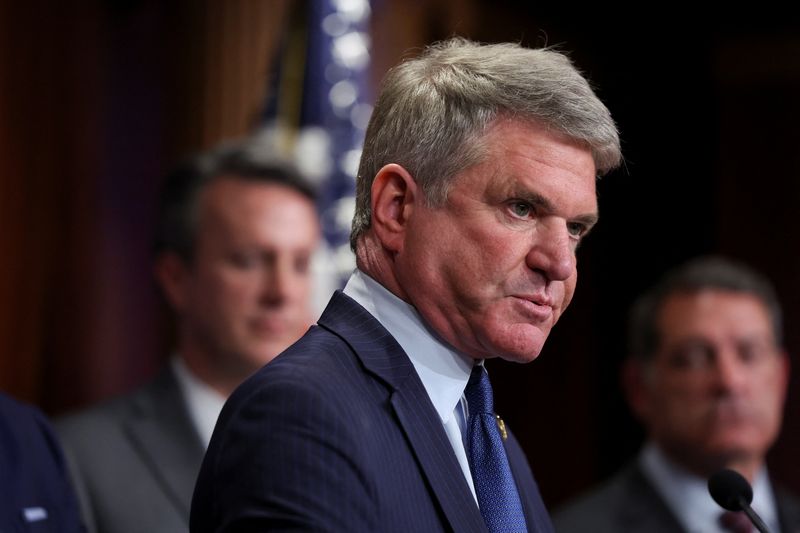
<point x="502" y="427"/>
<point x="34" y="514"/>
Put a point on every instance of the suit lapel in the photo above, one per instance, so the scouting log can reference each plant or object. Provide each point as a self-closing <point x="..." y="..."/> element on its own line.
<point x="160" y="429"/>
<point x="382" y="356"/>
<point x="424" y="430"/>
<point x="536" y="516"/>
<point x="788" y="511"/>
<point x="642" y="508"/>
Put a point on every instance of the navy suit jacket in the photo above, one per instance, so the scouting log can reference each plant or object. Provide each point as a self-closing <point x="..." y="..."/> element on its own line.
<point x="35" y="493"/>
<point x="338" y="434"/>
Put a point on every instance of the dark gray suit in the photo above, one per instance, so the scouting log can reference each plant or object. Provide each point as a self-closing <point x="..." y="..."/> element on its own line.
<point x="135" y="460"/>
<point x="630" y="503"/>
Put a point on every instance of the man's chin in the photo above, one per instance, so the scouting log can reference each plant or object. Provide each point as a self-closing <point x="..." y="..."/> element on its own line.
<point x="522" y="358"/>
<point x="523" y="343"/>
<point x="520" y="346"/>
<point x="734" y="447"/>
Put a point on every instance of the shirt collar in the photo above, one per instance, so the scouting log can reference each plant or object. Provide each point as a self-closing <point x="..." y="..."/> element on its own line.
<point x="687" y="494"/>
<point x="443" y="370"/>
<point x="204" y="403"/>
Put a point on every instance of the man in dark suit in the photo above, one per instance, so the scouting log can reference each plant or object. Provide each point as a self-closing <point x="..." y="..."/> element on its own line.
<point x="476" y="184"/>
<point x="238" y="229"/>
<point x="35" y="492"/>
<point x="707" y="376"/>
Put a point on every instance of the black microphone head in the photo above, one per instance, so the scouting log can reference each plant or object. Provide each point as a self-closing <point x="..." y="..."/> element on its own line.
<point x="729" y="488"/>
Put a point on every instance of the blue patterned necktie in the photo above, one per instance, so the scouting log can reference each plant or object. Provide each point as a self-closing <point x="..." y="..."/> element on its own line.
<point x="497" y="493"/>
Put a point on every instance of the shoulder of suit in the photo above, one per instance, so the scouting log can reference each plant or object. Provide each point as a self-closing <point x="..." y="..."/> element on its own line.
<point x="596" y="508"/>
<point x="114" y="411"/>
<point x="311" y="361"/>
<point x="320" y="369"/>
<point x="19" y="421"/>
<point x="788" y="508"/>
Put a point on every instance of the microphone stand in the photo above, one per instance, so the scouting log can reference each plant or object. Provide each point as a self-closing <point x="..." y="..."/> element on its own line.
<point x="751" y="514"/>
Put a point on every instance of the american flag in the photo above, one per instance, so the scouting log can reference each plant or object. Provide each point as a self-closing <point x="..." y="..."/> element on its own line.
<point x="319" y="95"/>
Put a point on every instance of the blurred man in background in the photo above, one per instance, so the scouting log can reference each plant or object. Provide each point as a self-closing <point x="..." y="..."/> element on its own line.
<point x="707" y="375"/>
<point x="237" y="232"/>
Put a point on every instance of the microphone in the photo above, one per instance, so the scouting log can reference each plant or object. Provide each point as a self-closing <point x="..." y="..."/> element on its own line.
<point x="732" y="492"/>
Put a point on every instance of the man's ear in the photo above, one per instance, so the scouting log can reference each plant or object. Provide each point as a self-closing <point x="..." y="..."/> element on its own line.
<point x="786" y="372"/>
<point x="394" y="193"/>
<point x="172" y="274"/>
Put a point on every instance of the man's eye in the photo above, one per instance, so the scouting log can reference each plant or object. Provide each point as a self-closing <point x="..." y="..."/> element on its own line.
<point x="754" y="352"/>
<point x="576" y="229"/>
<point x="692" y="357"/>
<point x="244" y="260"/>
<point x="521" y="209"/>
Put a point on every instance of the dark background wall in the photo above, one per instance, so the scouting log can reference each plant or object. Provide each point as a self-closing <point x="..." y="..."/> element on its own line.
<point x="99" y="99"/>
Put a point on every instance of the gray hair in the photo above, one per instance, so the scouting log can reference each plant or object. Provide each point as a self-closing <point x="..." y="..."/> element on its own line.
<point x="703" y="273"/>
<point x="247" y="160"/>
<point x="433" y="110"/>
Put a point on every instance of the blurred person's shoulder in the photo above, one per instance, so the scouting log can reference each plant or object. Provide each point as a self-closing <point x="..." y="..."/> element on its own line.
<point x="627" y="502"/>
<point x="153" y="399"/>
<point x="788" y="504"/>
<point x="18" y="420"/>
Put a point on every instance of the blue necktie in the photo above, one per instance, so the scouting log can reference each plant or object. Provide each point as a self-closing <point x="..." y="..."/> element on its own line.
<point x="497" y="493"/>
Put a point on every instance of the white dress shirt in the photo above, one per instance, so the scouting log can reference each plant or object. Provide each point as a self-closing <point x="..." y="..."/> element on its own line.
<point x="444" y="371"/>
<point x="687" y="495"/>
<point x="204" y="402"/>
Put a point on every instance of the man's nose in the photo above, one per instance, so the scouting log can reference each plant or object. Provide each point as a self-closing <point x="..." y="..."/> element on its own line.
<point x="276" y="283"/>
<point x="730" y="372"/>
<point x="553" y="251"/>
